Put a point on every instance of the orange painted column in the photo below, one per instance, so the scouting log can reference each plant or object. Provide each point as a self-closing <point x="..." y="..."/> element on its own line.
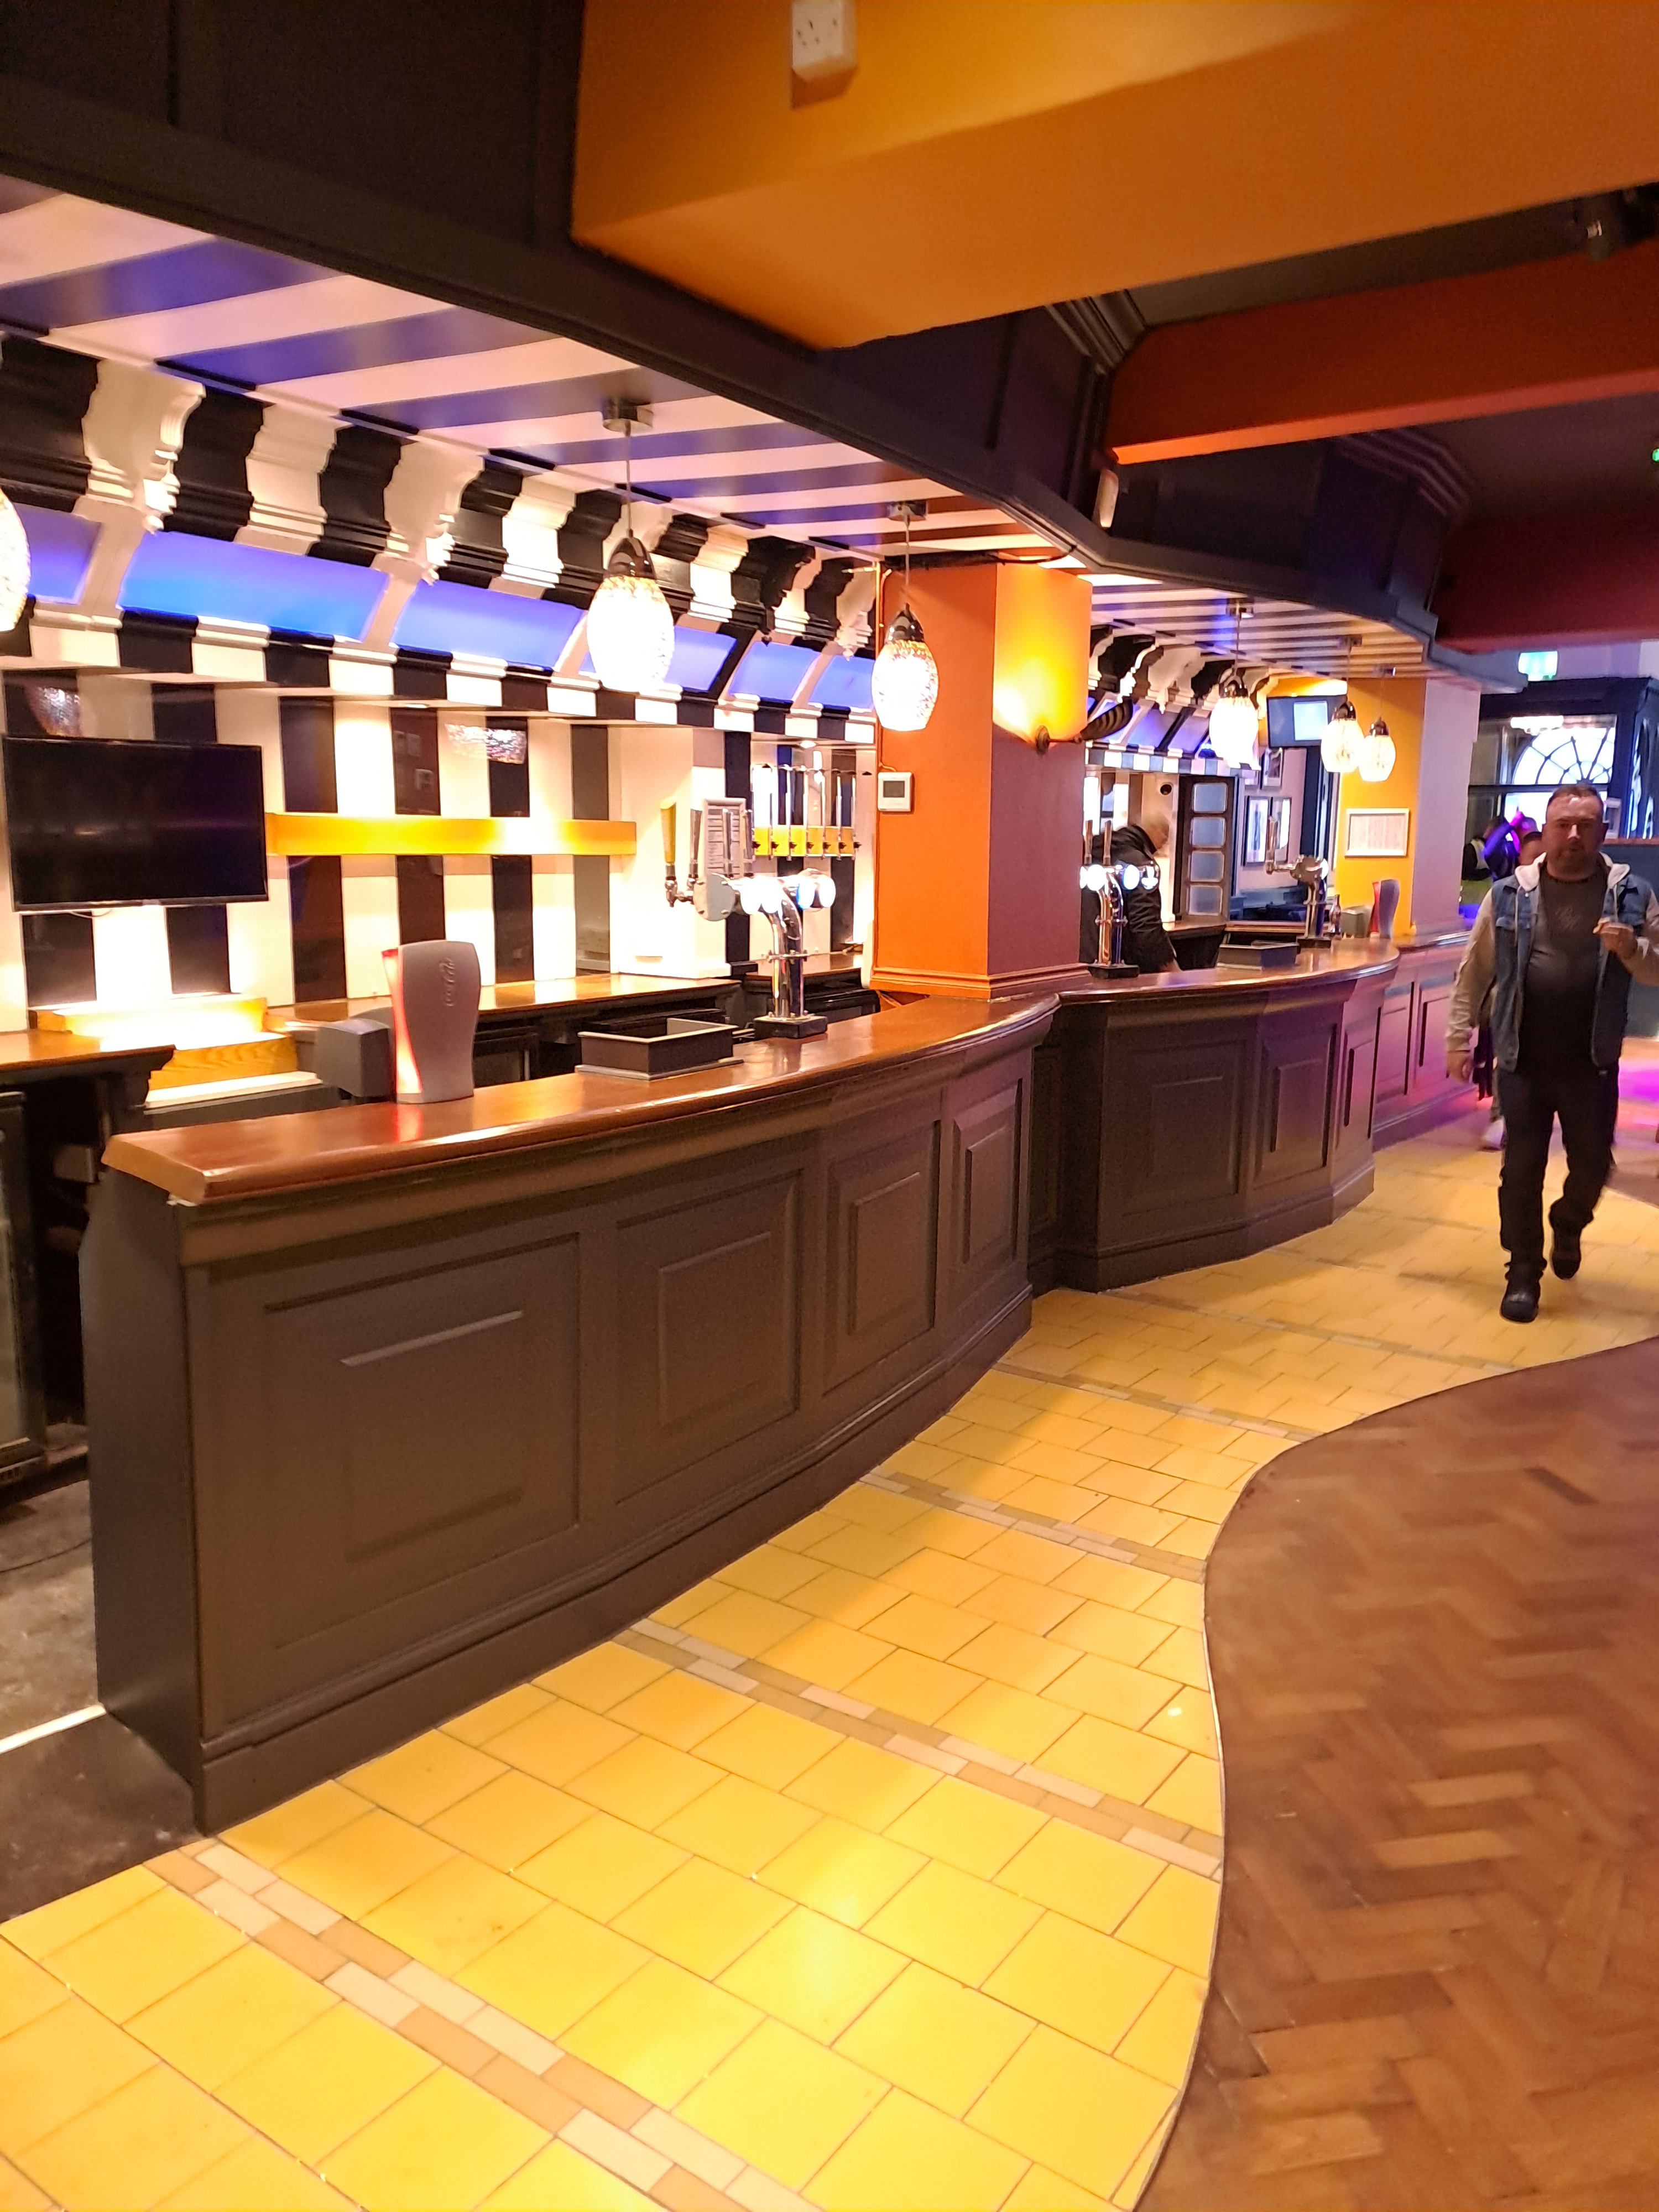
<point x="976" y="888"/>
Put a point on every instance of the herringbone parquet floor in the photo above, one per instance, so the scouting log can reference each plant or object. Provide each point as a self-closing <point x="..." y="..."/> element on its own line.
<point x="1436" y="1981"/>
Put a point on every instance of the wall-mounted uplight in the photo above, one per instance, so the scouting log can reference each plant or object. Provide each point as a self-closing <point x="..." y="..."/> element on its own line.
<point x="905" y="685"/>
<point x="630" y="628"/>
<point x="14" y="565"/>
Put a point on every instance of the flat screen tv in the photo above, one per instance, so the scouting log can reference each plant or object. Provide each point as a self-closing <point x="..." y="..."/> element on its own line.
<point x="95" y="822"/>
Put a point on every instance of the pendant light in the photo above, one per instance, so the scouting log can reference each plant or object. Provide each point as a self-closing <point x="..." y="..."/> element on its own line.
<point x="1376" y="754"/>
<point x="1233" y="717"/>
<point x="1339" y="748"/>
<point x="630" y="629"/>
<point x="905" y="684"/>
<point x="14" y="565"/>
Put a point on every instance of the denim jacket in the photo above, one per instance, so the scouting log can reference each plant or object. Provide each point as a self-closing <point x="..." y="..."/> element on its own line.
<point x="1500" y="946"/>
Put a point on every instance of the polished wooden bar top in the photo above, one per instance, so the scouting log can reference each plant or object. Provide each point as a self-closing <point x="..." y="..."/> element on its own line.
<point x="556" y="994"/>
<point x="223" y="1160"/>
<point x="1349" y="963"/>
<point x="31" y="1051"/>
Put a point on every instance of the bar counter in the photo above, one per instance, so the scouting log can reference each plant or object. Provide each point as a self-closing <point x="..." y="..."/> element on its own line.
<point x="390" y="1407"/>
<point x="1199" y="1115"/>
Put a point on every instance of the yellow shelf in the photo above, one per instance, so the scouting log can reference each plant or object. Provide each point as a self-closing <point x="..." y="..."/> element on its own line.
<point x="309" y="836"/>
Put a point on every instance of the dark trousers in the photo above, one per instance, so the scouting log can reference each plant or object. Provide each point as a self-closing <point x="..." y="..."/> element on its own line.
<point x="1585" y="1101"/>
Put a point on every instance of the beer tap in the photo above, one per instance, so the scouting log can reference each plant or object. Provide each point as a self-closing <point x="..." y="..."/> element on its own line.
<point x="782" y="901"/>
<point x="1106" y="881"/>
<point x="672" y="891"/>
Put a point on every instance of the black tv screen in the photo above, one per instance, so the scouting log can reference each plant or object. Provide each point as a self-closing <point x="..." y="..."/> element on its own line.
<point x="96" y="822"/>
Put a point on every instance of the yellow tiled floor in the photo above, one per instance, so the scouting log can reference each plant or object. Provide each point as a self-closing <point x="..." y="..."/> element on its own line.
<point x="656" y="1931"/>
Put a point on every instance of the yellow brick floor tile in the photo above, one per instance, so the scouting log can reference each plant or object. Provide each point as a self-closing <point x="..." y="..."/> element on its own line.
<point x="844" y="1871"/>
<point x="1175" y="1920"/>
<point x="1181" y="1604"/>
<point x="1180" y="1656"/>
<point x="1039" y="2190"/>
<point x="1187" y="1720"/>
<point x="737" y="1825"/>
<point x="860" y="1782"/>
<point x="927" y="2034"/>
<point x="1191" y="1794"/>
<point x="827" y="1654"/>
<point x="1056" y="1501"/>
<point x="1011" y="1722"/>
<point x="768" y="1746"/>
<point x="1109" y="1633"/>
<point x="953" y="1922"/>
<point x="748" y="1625"/>
<point x="1161" y="2041"/>
<point x="924" y="1625"/>
<point x="18" y="2193"/>
<point x="662" y="2031"/>
<point x="452" y="1916"/>
<point x="510" y="1820"/>
<point x="480" y="1722"/>
<point x="26" y="1990"/>
<point x="359" y="1866"/>
<point x="1074" y="1979"/>
<point x="558" y="1743"/>
<point x="812" y="1972"/>
<point x="915" y="1688"/>
<point x="1091" y="1878"/>
<point x="701" y="1917"/>
<point x="681" y="1611"/>
<point x="560" y="2179"/>
<point x="325" y="2083"/>
<point x="601" y="1867"/>
<point x="1111" y="1583"/>
<point x="837" y="1593"/>
<point x="257" y="2177"/>
<point x="271" y="1838"/>
<point x="782" y="2102"/>
<point x="50" y="1926"/>
<point x="57" y="2066"/>
<point x="1103" y="1756"/>
<point x="970" y="1828"/>
<point x="552" y="1970"/>
<point x="1192" y="1539"/>
<point x="1081" y="2113"/>
<point x="446" y="2142"/>
<point x="1199" y="1501"/>
<point x="602" y="1677"/>
<point x="645" y="1781"/>
<point x="679" y="1709"/>
<point x="907" y="2153"/>
<point x="1034" y="1557"/>
<point x="1112" y="1478"/>
<point x="1014" y="1657"/>
<point x="234" y="2013"/>
<point x="1037" y="1607"/>
<point x="1120" y="1517"/>
<point x="421" y="1779"/>
<point x="864" y="1551"/>
<point x="943" y="1577"/>
<point x="149" y="2138"/>
<point x="1128" y="2193"/>
<point x="957" y="1534"/>
<point x="128" y="1962"/>
<point x="1109" y="1690"/>
<point x="769" y="1571"/>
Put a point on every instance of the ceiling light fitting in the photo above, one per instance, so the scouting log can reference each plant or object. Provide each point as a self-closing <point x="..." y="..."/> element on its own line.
<point x="1376" y="754"/>
<point x="905" y="684"/>
<point x="630" y="628"/>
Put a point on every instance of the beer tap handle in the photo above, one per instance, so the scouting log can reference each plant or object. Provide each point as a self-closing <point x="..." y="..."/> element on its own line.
<point x="668" y="816"/>
<point x="694" y="847"/>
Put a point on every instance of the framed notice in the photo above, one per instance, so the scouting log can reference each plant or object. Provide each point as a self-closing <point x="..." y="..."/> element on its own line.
<point x="1377" y="833"/>
<point x="1267" y="830"/>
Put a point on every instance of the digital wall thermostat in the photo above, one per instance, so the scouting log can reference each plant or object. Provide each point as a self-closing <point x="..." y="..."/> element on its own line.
<point x="895" y="790"/>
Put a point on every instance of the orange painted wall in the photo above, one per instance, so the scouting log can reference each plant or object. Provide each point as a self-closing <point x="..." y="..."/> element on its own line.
<point x="1432" y="726"/>
<point x="977" y="889"/>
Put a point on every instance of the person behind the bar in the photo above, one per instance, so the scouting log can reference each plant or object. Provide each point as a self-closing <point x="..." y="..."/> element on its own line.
<point x="1556" y="944"/>
<point x="1146" y="942"/>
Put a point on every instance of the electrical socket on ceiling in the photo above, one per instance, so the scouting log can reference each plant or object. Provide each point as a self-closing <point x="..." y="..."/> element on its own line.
<point x="823" y="39"/>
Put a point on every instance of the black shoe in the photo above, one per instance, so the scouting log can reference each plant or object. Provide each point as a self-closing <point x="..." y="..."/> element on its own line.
<point x="1520" y="1299"/>
<point x="1566" y="1251"/>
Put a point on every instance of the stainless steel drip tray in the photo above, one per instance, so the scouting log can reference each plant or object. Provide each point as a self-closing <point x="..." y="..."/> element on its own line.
<point x="656" y="1045"/>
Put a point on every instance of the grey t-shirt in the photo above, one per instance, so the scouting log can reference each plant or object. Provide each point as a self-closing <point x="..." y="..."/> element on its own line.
<point x="1558" y="999"/>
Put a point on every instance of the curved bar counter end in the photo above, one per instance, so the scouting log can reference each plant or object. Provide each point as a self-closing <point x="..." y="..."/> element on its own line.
<point x="391" y="1407"/>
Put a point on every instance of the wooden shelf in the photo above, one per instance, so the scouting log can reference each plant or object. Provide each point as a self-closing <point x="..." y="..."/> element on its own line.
<point x="307" y="836"/>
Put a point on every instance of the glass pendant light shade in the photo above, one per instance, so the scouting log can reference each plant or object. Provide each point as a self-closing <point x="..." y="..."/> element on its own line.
<point x="1376" y="761"/>
<point x="905" y="684"/>
<point x="630" y="626"/>
<point x="1233" y="726"/>
<point x="14" y="565"/>
<point x="1339" y="748"/>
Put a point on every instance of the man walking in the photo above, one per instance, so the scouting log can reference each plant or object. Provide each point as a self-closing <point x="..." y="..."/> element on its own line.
<point x="1556" y="944"/>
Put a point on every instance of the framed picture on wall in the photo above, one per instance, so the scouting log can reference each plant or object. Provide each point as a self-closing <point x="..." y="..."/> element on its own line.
<point x="1267" y="829"/>
<point x="1270" y="769"/>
